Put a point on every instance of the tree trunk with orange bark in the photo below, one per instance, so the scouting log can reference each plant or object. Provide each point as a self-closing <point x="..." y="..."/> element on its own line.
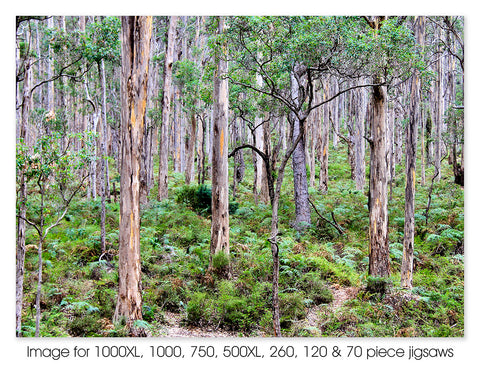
<point x="220" y="218"/>
<point x="135" y="37"/>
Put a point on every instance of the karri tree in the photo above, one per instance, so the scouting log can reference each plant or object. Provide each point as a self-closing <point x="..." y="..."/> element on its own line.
<point x="220" y="231"/>
<point x="135" y="45"/>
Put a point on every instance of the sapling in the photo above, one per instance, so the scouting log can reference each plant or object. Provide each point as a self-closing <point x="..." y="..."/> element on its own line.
<point x="54" y="176"/>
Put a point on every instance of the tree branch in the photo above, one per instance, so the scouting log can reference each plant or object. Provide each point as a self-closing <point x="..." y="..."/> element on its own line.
<point x="334" y="224"/>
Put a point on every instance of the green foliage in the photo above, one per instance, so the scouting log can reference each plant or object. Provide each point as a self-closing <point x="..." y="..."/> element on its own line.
<point x="292" y="308"/>
<point x="315" y="288"/>
<point x="378" y="285"/>
<point x="198" y="197"/>
<point x="235" y="306"/>
<point x="102" y="40"/>
<point x="220" y="260"/>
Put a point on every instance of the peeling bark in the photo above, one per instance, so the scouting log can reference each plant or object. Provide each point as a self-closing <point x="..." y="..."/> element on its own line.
<point x="220" y="231"/>
<point x="136" y="35"/>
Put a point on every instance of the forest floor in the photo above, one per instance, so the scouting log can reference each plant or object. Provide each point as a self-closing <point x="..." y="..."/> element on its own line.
<point x="174" y="328"/>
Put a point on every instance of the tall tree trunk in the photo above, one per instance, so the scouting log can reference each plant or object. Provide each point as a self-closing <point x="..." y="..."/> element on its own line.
<point x="300" y="181"/>
<point x="324" y="141"/>
<point x="50" y="71"/>
<point x="410" y="166"/>
<point x="135" y="36"/>
<point x="21" y="198"/>
<point x="439" y="109"/>
<point x="379" y="253"/>
<point x="103" y="166"/>
<point x="422" y="145"/>
<point x="239" y="163"/>
<point x="379" y="256"/>
<point x="390" y="146"/>
<point x="146" y="172"/>
<point x="201" y="151"/>
<point x="40" y="260"/>
<point x="334" y="112"/>
<point x="190" y="149"/>
<point x="166" y="106"/>
<point x="312" y="121"/>
<point x="359" y="138"/>
<point x="220" y="221"/>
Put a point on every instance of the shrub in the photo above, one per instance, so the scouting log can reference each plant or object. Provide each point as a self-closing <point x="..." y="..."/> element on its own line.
<point x="199" y="311"/>
<point x="378" y="285"/>
<point x="315" y="288"/>
<point x="292" y="308"/>
<point x="85" y="325"/>
<point x="197" y="197"/>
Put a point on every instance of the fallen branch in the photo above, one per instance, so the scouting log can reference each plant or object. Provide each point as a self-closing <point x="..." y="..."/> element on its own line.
<point x="334" y="224"/>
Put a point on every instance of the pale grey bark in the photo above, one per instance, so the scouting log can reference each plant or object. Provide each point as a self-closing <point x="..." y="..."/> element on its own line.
<point x="220" y="232"/>
<point x="410" y="166"/>
<point x="166" y="108"/>
<point x="300" y="181"/>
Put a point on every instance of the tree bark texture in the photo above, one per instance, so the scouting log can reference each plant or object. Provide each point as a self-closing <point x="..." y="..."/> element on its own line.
<point x="22" y="196"/>
<point x="300" y="181"/>
<point x="379" y="256"/>
<point x="135" y="37"/>
<point x="166" y="108"/>
<point x="410" y="167"/>
<point x="324" y="142"/>
<point x="190" y="141"/>
<point x="103" y="166"/>
<point x="438" y="112"/>
<point x="359" y="139"/>
<point x="220" y="219"/>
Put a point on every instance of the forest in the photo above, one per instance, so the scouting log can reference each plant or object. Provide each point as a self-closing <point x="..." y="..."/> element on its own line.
<point x="239" y="176"/>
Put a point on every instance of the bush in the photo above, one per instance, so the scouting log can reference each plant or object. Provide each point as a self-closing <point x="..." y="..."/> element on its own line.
<point x="315" y="288"/>
<point x="86" y="325"/>
<point x="292" y="308"/>
<point x="197" y="197"/>
<point x="378" y="285"/>
<point x="199" y="310"/>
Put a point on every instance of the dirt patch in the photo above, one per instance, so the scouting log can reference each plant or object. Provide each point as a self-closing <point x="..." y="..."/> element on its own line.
<point x="342" y="294"/>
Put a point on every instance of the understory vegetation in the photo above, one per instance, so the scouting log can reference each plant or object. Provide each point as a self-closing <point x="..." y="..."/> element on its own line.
<point x="80" y="286"/>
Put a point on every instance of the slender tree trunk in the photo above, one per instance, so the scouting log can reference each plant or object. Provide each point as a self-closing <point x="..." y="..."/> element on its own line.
<point x="190" y="149"/>
<point x="422" y="145"/>
<point x="274" y="232"/>
<point x="166" y="106"/>
<point x="313" y="123"/>
<point x="390" y="147"/>
<point x="359" y="138"/>
<point x="135" y="36"/>
<point x="22" y="197"/>
<point x="239" y="163"/>
<point x="438" y="117"/>
<point x="300" y="181"/>
<point x="40" y="261"/>
<point x="201" y="152"/>
<point x="220" y="221"/>
<point x="103" y="166"/>
<point x="410" y="166"/>
<point x="50" y="71"/>
<point x="324" y="142"/>
<point x="334" y="112"/>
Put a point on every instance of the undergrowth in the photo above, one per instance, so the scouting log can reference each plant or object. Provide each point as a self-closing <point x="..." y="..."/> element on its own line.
<point x="79" y="289"/>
